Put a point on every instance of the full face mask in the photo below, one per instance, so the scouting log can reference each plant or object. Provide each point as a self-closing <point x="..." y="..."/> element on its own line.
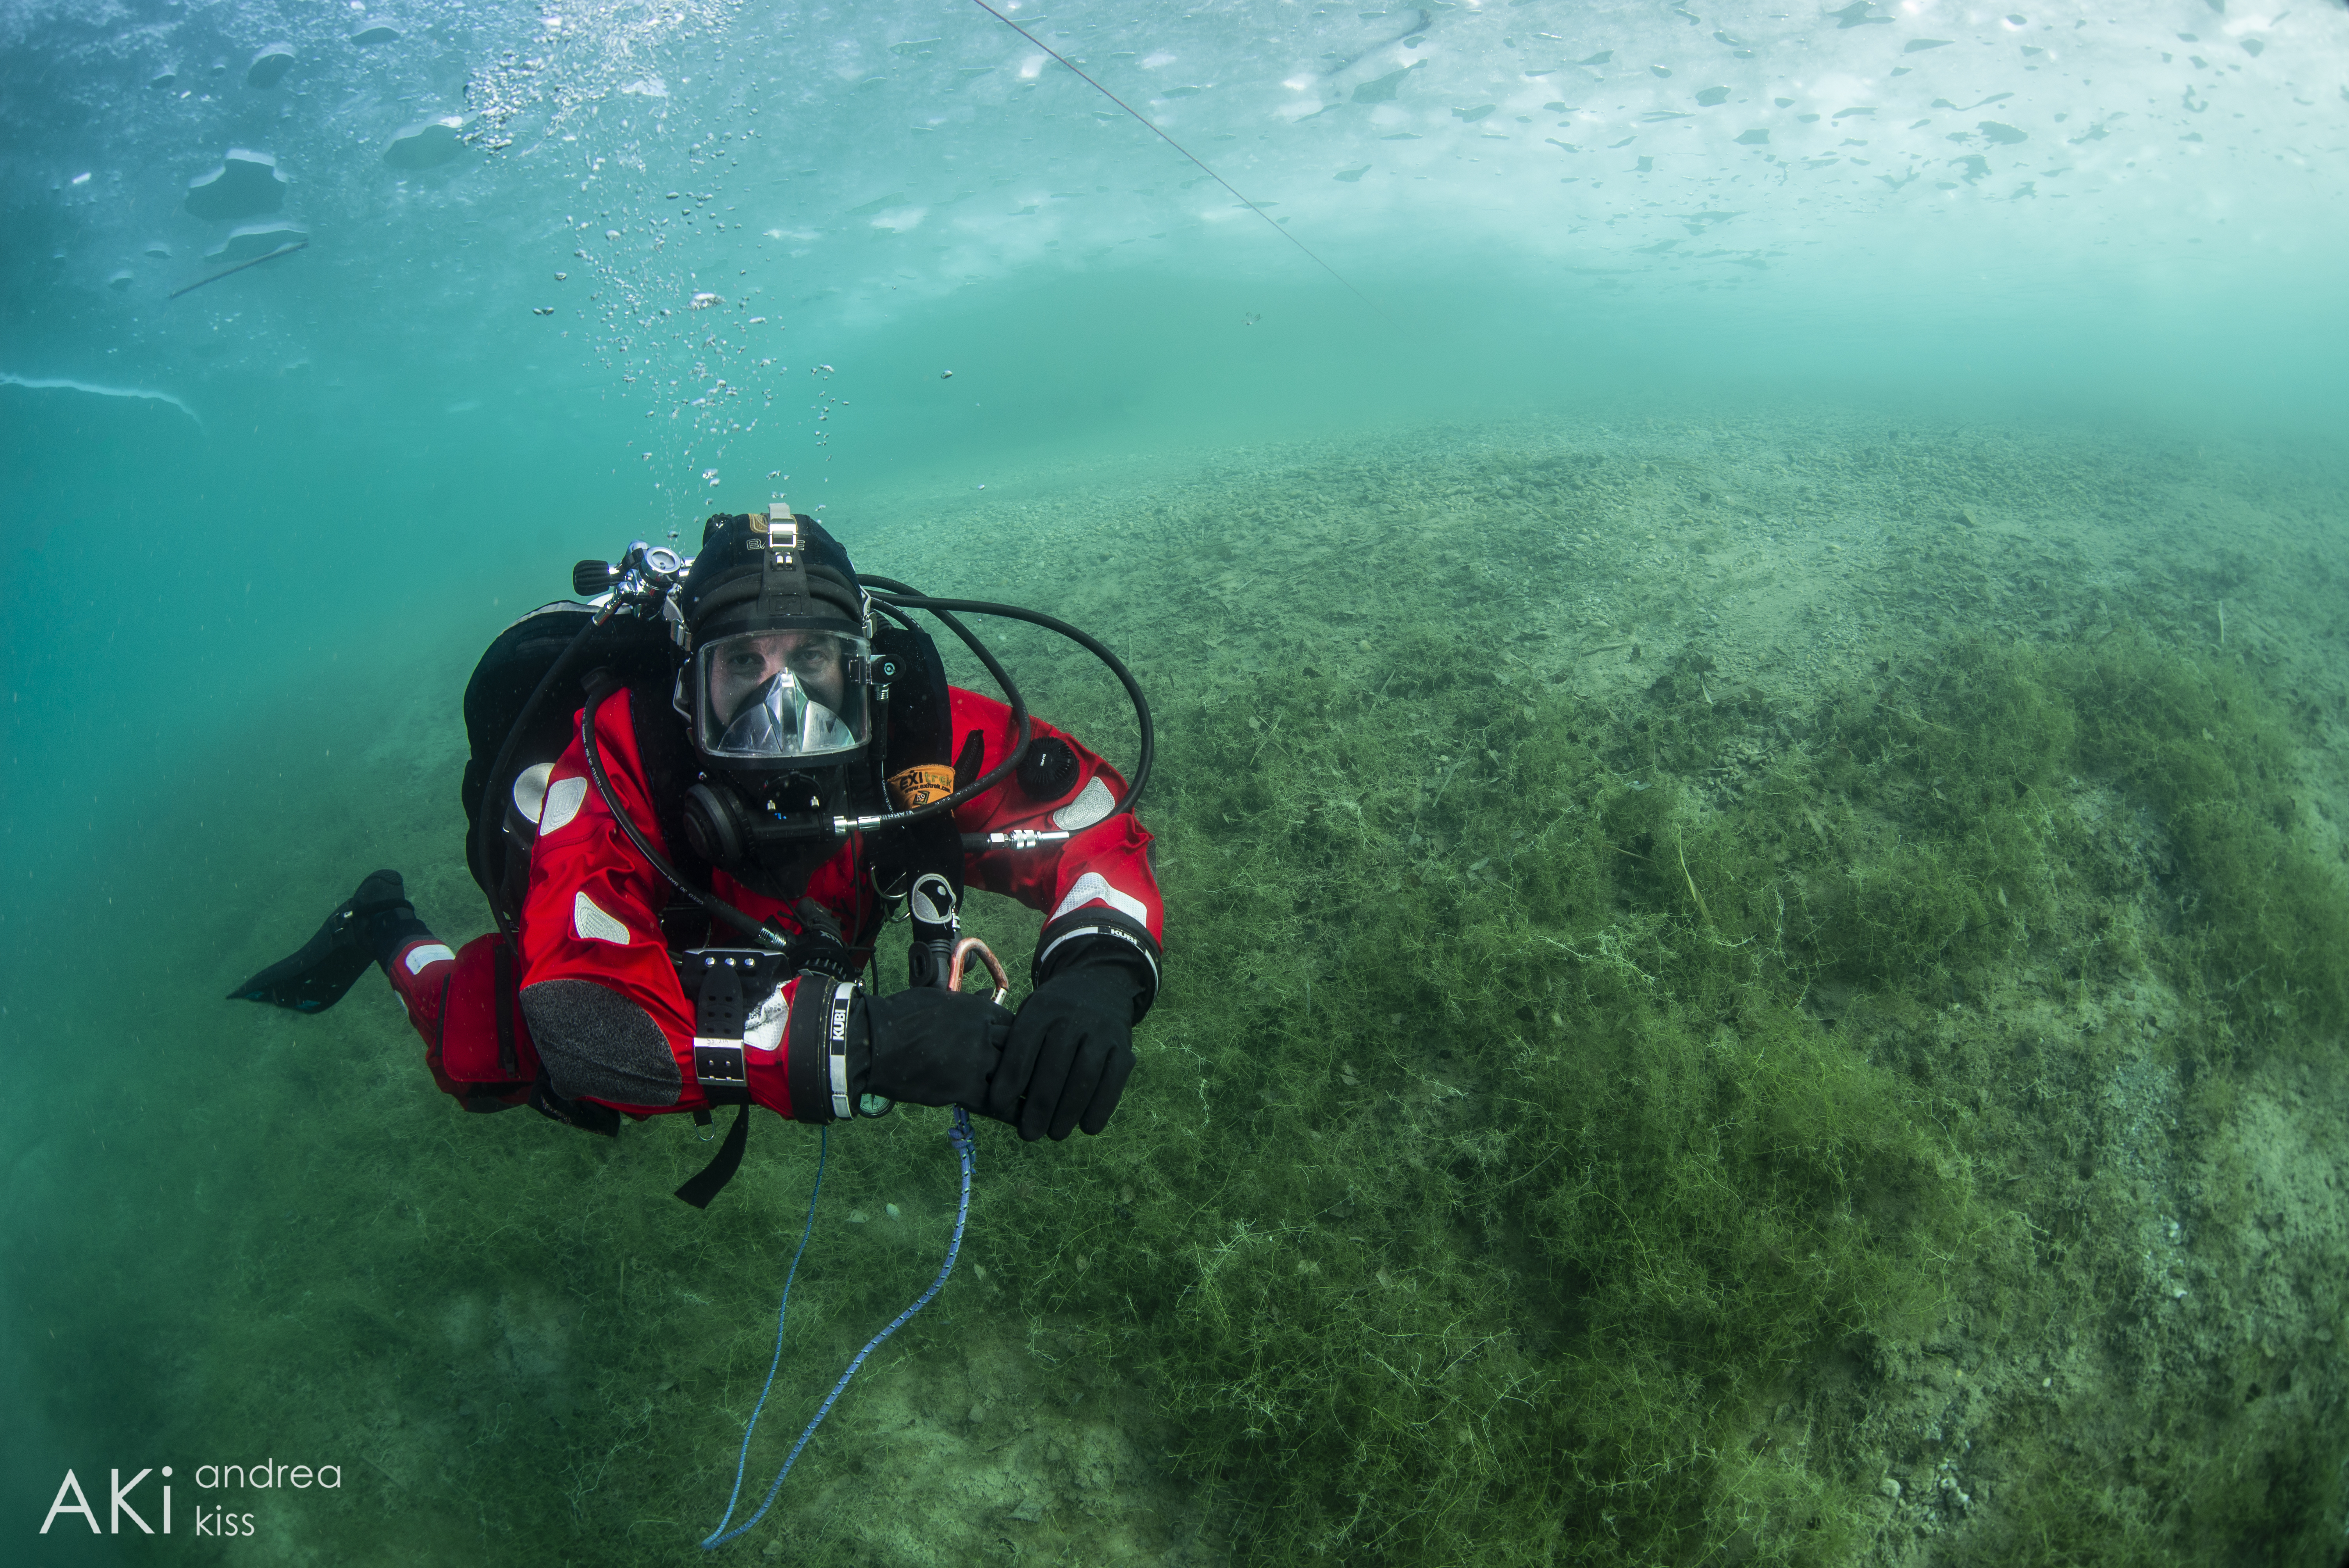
<point x="777" y="692"/>
<point x="782" y="696"/>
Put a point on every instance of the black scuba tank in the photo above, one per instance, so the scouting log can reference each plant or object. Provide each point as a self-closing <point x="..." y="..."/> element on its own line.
<point x="630" y="650"/>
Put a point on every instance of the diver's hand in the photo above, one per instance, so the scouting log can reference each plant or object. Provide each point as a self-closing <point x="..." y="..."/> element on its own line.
<point x="931" y="1047"/>
<point x="1069" y="1054"/>
<point x="819" y="948"/>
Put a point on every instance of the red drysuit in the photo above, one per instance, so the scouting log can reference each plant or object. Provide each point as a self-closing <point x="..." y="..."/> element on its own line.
<point x="596" y="982"/>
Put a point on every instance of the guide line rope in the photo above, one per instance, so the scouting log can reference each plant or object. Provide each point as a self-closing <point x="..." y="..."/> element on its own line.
<point x="285" y="249"/>
<point x="1187" y="153"/>
<point x="959" y="1136"/>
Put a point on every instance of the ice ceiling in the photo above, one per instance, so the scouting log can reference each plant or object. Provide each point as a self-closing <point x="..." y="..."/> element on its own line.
<point x="673" y="188"/>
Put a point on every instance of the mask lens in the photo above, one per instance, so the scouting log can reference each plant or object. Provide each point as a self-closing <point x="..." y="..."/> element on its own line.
<point x="771" y="696"/>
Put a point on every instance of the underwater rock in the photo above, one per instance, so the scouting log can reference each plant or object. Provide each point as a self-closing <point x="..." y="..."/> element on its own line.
<point x="427" y="143"/>
<point x="270" y="65"/>
<point x="255" y="239"/>
<point x="245" y="185"/>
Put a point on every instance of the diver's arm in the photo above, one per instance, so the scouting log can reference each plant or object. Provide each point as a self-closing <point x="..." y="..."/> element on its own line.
<point x="1096" y="969"/>
<point x="1097" y="880"/>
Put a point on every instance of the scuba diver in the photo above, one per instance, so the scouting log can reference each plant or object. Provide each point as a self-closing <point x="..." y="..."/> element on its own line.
<point x="730" y="772"/>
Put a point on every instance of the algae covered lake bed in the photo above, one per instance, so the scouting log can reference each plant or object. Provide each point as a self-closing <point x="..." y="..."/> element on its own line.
<point x="1838" y="924"/>
<point x="1757" y="987"/>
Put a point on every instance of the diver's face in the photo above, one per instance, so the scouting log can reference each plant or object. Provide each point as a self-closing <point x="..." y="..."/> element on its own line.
<point x="748" y="662"/>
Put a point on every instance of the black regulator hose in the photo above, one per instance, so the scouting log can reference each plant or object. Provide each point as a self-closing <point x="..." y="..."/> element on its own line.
<point x="994" y="776"/>
<point x="901" y="596"/>
<point x="758" y="931"/>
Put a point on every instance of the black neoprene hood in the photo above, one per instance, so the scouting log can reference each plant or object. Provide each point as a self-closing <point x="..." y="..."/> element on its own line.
<point x="719" y="595"/>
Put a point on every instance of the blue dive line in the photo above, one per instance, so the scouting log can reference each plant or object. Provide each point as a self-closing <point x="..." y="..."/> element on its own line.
<point x="960" y="1135"/>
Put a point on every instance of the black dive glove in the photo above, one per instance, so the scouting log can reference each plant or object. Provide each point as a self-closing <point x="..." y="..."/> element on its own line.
<point x="1072" y="1048"/>
<point x="819" y="948"/>
<point x="931" y="1047"/>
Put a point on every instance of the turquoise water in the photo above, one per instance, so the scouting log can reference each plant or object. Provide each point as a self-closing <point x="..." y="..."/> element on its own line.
<point x="1669" y="396"/>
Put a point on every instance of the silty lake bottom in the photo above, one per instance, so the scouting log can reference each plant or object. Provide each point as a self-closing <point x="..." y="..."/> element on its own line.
<point x="1744" y="987"/>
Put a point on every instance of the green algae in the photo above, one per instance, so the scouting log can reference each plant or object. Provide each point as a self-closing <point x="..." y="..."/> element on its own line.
<point x="1505" y="1250"/>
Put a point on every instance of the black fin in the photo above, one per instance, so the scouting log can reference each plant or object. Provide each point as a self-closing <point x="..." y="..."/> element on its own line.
<point x="330" y="963"/>
<point x="314" y="979"/>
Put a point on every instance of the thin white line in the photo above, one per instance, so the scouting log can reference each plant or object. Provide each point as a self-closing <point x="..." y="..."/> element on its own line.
<point x="43" y="384"/>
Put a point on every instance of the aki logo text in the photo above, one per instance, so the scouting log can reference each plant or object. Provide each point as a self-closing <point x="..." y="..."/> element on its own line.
<point x="212" y="1517"/>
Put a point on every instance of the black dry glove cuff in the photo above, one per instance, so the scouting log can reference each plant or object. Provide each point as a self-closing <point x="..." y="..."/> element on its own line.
<point x="1095" y="935"/>
<point x="1071" y="1046"/>
<point x="923" y="1046"/>
<point x="827" y="1048"/>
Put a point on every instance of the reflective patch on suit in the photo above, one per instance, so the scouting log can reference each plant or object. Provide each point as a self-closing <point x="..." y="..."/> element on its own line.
<point x="598" y="1044"/>
<point x="563" y="797"/>
<point x="763" y="1029"/>
<point x="1093" y="803"/>
<point x="1092" y="888"/>
<point x="425" y="952"/>
<point x="593" y="924"/>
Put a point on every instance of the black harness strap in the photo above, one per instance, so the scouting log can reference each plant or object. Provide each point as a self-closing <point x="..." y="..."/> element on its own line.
<point x="724" y="985"/>
<point x="440" y="1023"/>
<point x="501" y="987"/>
<point x="723" y="1165"/>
